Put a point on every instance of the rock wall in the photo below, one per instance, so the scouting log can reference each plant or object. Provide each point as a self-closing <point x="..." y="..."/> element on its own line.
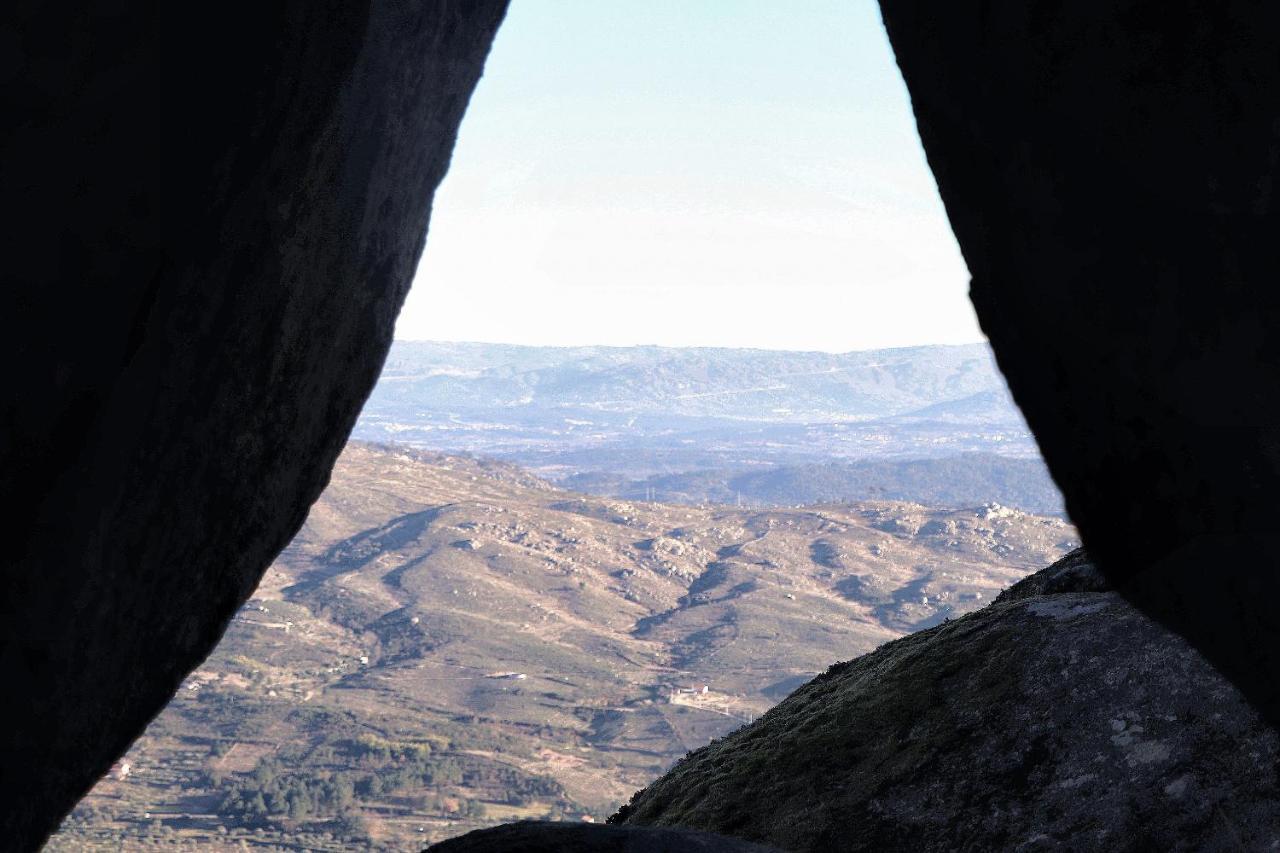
<point x="213" y="216"/>
<point x="1109" y="168"/>
<point x="1058" y="717"/>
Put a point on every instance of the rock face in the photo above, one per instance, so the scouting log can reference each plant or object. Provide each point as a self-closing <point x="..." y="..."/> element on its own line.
<point x="1075" y="572"/>
<point x="1052" y="719"/>
<point x="539" y="837"/>
<point x="211" y="226"/>
<point x="213" y="223"/>
<point x="1110" y="171"/>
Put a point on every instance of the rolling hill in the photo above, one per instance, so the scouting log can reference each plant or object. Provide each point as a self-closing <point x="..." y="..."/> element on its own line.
<point x="451" y="642"/>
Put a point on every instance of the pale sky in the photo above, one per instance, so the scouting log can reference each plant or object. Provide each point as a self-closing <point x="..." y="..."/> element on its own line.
<point x="690" y="173"/>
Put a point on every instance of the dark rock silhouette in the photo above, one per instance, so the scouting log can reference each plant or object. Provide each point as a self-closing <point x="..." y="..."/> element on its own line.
<point x="1109" y="169"/>
<point x="541" y="837"/>
<point x="212" y="218"/>
<point x="1051" y="719"/>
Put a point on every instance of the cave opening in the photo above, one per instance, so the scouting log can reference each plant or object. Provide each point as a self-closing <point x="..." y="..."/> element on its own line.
<point x="237" y="231"/>
<point x="745" y="186"/>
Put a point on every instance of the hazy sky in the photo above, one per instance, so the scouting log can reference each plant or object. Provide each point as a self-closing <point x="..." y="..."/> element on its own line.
<point x="692" y="172"/>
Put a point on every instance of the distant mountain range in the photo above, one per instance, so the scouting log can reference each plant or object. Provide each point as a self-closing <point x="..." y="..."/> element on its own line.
<point x="623" y="420"/>
<point x="766" y="386"/>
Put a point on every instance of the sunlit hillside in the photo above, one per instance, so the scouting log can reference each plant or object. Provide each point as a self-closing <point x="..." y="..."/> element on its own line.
<point x="451" y="642"/>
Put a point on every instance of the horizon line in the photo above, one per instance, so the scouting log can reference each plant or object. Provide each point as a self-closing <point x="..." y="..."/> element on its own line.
<point x="398" y="340"/>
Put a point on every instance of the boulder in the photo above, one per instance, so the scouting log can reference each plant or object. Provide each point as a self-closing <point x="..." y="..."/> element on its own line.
<point x="1110" y="171"/>
<point x="1058" y="717"/>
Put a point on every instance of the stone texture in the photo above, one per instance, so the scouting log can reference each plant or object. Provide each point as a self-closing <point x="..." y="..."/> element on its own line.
<point x="540" y="837"/>
<point x="1066" y="720"/>
<point x="1075" y="572"/>
<point x="213" y="215"/>
<point x="1109" y="168"/>
<point x="213" y="219"/>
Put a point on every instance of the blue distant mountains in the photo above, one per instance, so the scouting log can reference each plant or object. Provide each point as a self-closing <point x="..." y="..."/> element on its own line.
<point x="742" y="384"/>
<point x="618" y="419"/>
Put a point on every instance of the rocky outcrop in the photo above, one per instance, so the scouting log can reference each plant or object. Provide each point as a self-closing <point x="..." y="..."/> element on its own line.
<point x="1075" y="572"/>
<point x="1110" y="171"/>
<point x="541" y="837"/>
<point x="212" y="223"/>
<point x="1058" y="717"/>
<point x="212" y="217"/>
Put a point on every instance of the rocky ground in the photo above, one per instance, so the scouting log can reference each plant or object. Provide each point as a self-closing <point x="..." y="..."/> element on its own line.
<point x="1058" y="717"/>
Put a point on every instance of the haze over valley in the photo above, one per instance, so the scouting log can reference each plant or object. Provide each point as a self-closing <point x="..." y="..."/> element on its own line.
<point x="692" y="425"/>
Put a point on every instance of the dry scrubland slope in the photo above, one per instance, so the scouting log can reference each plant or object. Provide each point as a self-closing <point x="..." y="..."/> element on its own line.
<point x="371" y="692"/>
